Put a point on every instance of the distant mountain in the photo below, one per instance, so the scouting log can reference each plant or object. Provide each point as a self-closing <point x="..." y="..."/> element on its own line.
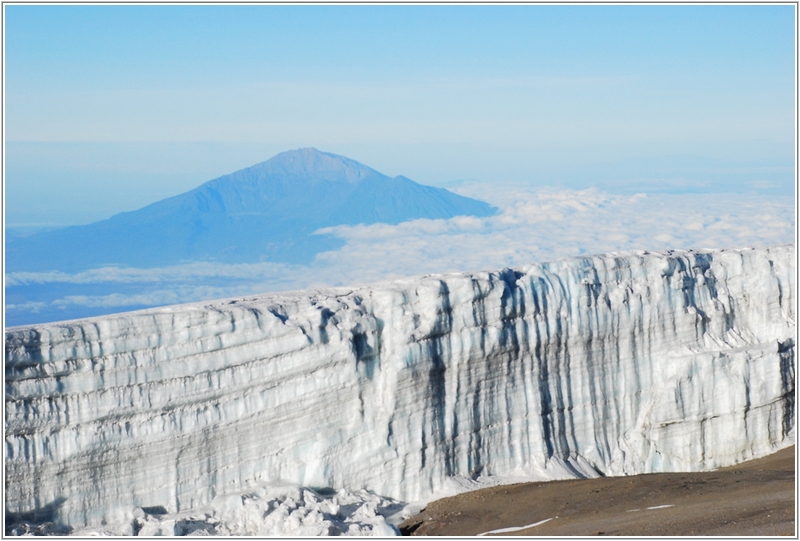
<point x="266" y="212"/>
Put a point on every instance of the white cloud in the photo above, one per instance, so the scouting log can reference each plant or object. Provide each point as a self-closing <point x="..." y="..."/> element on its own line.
<point x="533" y="225"/>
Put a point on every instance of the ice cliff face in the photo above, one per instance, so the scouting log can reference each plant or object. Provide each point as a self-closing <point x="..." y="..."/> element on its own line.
<point x="620" y="364"/>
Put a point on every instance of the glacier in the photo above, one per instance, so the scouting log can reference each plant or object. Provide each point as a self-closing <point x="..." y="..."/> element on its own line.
<point x="373" y="396"/>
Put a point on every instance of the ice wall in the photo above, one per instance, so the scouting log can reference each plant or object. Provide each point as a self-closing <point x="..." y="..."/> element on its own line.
<point x="620" y="363"/>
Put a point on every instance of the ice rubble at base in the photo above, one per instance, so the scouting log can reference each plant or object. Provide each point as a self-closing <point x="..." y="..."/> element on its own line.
<point x="215" y="413"/>
<point x="266" y="511"/>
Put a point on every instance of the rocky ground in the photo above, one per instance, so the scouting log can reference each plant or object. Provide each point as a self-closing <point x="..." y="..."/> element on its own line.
<point x="755" y="498"/>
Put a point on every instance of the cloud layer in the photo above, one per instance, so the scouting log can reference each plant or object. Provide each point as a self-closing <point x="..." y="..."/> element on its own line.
<point x="534" y="225"/>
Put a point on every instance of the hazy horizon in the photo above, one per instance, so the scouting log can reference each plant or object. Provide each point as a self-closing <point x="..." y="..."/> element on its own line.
<point x="109" y="108"/>
<point x="592" y="128"/>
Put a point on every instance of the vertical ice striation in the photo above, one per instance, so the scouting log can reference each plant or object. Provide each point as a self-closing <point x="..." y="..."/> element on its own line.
<point x="621" y="363"/>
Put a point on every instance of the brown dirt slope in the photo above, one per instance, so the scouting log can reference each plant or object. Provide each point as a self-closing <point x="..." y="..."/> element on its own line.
<point x="755" y="498"/>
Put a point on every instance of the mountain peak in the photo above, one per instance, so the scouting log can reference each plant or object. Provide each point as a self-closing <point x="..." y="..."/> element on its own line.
<point x="305" y="162"/>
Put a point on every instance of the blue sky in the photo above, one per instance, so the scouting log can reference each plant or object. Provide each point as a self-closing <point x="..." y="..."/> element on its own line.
<point x="109" y="108"/>
<point x="591" y="128"/>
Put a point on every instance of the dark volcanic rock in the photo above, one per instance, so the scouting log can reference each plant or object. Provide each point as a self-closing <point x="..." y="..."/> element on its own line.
<point x="754" y="498"/>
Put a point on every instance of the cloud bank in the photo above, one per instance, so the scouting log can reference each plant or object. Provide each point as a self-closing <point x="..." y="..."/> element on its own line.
<point x="534" y="225"/>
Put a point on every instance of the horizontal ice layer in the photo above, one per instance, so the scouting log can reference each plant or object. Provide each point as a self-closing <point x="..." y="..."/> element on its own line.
<point x="617" y="364"/>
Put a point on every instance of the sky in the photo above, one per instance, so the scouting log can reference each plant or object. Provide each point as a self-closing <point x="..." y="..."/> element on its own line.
<point x="592" y="128"/>
<point x="109" y="108"/>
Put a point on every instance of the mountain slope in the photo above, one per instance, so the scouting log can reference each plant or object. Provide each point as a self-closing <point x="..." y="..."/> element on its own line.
<point x="266" y="212"/>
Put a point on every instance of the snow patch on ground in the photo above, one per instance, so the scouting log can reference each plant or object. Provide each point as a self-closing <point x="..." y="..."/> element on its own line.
<point x="516" y="528"/>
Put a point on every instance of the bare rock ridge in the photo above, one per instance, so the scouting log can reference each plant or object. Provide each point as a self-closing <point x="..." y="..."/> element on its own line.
<point x="612" y="364"/>
<point x="266" y="212"/>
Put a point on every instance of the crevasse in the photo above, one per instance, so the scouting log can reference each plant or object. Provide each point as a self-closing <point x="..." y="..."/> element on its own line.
<point x="614" y="364"/>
